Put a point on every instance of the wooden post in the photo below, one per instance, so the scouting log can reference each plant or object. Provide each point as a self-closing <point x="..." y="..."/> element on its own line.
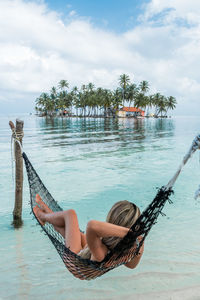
<point x="17" y="212"/>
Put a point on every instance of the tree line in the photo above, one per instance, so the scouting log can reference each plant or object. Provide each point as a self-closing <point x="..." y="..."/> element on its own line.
<point x="93" y="102"/>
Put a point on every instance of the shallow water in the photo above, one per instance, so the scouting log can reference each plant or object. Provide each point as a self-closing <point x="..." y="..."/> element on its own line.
<point x="88" y="164"/>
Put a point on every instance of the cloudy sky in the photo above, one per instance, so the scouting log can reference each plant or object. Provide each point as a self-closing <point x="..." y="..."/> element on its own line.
<point x="42" y="42"/>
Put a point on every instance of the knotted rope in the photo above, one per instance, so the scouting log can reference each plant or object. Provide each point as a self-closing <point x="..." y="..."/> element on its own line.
<point x="16" y="137"/>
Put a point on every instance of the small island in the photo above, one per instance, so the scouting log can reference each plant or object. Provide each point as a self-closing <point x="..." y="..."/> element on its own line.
<point x="127" y="100"/>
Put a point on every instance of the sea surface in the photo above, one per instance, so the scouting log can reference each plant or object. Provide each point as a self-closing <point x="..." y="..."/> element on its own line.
<point x="88" y="165"/>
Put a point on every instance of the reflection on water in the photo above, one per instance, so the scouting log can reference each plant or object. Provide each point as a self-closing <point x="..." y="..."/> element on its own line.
<point x="24" y="280"/>
<point x="57" y="132"/>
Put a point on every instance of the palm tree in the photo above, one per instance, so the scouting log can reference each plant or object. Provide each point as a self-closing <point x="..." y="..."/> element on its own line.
<point x="132" y="92"/>
<point x="117" y="99"/>
<point x="141" y="101"/>
<point x="156" y="100"/>
<point x="150" y="103"/>
<point x="83" y="87"/>
<point x="163" y="105"/>
<point x="124" y="82"/>
<point x="171" y="102"/>
<point x="43" y="102"/>
<point x="53" y="101"/>
<point x="75" y="100"/>
<point x="63" y="84"/>
<point x="107" y="101"/>
<point x="83" y="99"/>
<point x="144" y="86"/>
<point x="69" y="101"/>
<point x="90" y="97"/>
<point x="90" y="86"/>
<point x="63" y="100"/>
<point x="99" y="98"/>
<point x="53" y="91"/>
<point x="160" y="103"/>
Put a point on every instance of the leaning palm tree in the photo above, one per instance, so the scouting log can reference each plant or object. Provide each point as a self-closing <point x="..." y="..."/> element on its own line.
<point x="162" y="105"/>
<point x="124" y="81"/>
<point x="156" y="100"/>
<point x="171" y="103"/>
<point x="150" y="103"/>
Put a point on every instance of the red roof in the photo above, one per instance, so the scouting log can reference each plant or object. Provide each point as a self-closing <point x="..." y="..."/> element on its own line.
<point x="132" y="109"/>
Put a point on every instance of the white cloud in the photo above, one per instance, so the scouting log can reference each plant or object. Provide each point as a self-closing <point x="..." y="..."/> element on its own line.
<point x="174" y="10"/>
<point x="38" y="49"/>
<point x="72" y="13"/>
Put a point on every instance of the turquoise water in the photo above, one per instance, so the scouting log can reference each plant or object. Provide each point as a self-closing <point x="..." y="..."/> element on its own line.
<point x="88" y="164"/>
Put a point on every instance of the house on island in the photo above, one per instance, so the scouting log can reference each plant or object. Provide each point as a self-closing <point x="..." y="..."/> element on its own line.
<point x="130" y="112"/>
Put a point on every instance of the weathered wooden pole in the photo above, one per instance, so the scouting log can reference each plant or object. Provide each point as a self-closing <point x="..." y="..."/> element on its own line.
<point x="18" y="135"/>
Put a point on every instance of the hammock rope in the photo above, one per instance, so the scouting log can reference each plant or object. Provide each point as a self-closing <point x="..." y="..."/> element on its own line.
<point x="126" y="249"/>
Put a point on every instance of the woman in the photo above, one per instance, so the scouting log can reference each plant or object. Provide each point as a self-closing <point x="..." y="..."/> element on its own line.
<point x="100" y="237"/>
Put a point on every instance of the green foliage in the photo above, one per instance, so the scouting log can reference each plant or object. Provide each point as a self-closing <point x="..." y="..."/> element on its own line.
<point x="92" y="101"/>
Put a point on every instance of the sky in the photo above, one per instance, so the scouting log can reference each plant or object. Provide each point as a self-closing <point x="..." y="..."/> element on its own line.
<point x="43" y="42"/>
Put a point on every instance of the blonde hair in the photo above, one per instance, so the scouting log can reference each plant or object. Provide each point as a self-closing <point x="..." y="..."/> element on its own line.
<point x="122" y="213"/>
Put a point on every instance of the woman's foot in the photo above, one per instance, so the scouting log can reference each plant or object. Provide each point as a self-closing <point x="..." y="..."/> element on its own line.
<point x="42" y="205"/>
<point x="40" y="215"/>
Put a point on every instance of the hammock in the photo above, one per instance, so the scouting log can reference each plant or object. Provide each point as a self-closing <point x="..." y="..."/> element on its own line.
<point x="126" y="249"/>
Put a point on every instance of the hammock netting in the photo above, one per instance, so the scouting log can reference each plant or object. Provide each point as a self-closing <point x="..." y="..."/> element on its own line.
<point x="124" y="251"/>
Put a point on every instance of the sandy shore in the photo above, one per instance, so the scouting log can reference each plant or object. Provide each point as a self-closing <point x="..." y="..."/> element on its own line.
<point x="192" y="293"/>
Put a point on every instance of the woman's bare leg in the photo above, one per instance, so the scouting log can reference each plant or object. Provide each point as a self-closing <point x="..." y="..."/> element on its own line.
<point x="46" y="209"/>
<point x="83" y="240"/>
<point x="67" y="219"/>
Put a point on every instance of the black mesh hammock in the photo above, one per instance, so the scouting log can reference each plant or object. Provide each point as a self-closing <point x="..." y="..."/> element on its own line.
<point x="125" y="250"/>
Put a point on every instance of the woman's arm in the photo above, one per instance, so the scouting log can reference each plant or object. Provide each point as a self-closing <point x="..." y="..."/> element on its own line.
<point x="135" y="261"/>
<point x="97" y="230"/>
